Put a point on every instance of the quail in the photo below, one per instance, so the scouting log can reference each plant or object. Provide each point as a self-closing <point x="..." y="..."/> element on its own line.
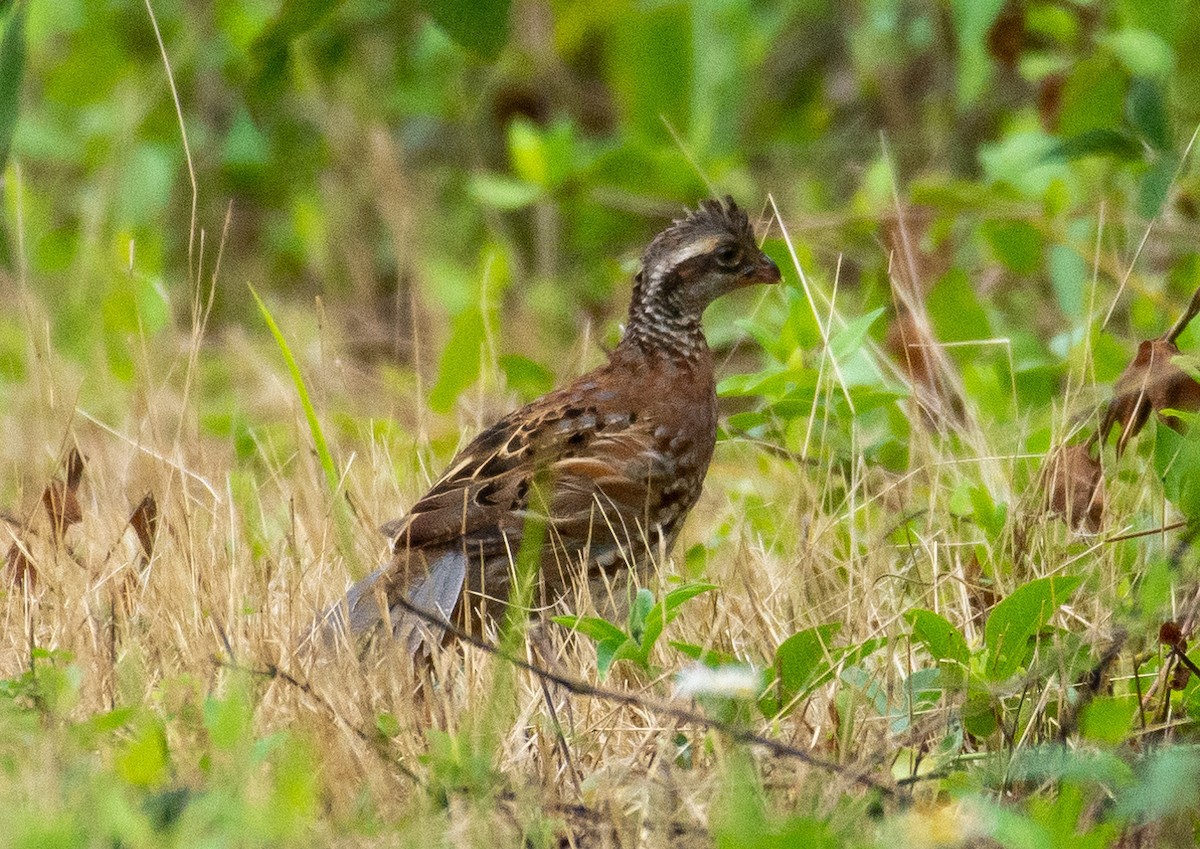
<point x="609" y="465"/>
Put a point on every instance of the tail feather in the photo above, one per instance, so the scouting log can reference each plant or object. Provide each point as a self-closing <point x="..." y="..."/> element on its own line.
<point x="437" y="592"/>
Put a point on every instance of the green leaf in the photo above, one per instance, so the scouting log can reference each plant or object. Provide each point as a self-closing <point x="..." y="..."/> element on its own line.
<point x="643" y="603"/>
<point x="1021" y="616"/>
<point x="1144" y="53"/>
<point x="662" y="614"/>
<point x="1092" y="96"/>
<point x="143" y="762"/>
<point x="1177" y="461"/>
<point x="972" y="20"/>
<point x="1146" y="108"/>
<point x="804" y="661"/>
<point x="849" y="339"/>
<point x="711" y="658"/>
<point x="593" y="627"/>
<point x="1100" y="141"/>
<point x="12" y="69"/>
<point x="480" y="26"/>
<point x="940" y="638"/>
<point x="1156" y="186"/>
<point x="527" y="377"/>
<point x="272" y="49"/>
<point x="955" y="311"/>
<point x="460" y="364"/>
<point x="1017" y="244"/>
<point x="1107" y="719"/>
<point x="502" y="193"/>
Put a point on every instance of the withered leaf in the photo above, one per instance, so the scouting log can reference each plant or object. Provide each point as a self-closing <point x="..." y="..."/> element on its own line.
<point x="75" y="462"/>
<point x="62" y="500"/>
<point x="916" y="351"/>
<point x="1170" y="634"/>
<point x="18" y="568"/>
<point x="62" y="506"/>
<point x="1179" y="677"/>
<point x="144" y="521"/>
<point x="1074" y="487"/>
<point x="1153" y="382"/>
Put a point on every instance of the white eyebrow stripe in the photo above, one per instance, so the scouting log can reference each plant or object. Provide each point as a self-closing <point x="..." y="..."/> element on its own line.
<point x="686" y="252"/>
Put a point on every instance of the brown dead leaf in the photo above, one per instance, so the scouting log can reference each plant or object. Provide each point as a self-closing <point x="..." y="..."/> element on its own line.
<point x="144" y="521"/>
<point x="1180" y="676"/>
<point x="62" y="506"/>
<point x="62" y="500"/>
<point x="1170" y="634"/>
<point x="75" y="462"/>
<point x="1152" y="382"/>
<point x="1074" y="486"/>
<point x="18" y="568"/>
<point x="917" y="353"/>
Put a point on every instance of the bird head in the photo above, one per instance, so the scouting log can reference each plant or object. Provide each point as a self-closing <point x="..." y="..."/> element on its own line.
<point x="700" y="257"/>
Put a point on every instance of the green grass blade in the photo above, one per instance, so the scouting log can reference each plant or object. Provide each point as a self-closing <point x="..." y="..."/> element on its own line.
<point x="314" y="426"/>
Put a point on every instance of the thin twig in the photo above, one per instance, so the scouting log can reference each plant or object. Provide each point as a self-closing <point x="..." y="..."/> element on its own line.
<point x="582" y="688"/>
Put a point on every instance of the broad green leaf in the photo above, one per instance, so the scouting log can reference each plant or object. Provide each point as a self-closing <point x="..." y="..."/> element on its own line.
<point x="658" y="616"/>
<point x="594" y="627"/>
<point x="849" y="339"/>
<point x="643" y="603"/>
<point x="460" y="363"/>
<point x="1019" y="617"/>
<point x="1156" y="186"/>
<point x="955" y="311"/>
<point x="1070" y="278"/>
<point x="503" y="193"/>
<point x="1146" y="108"/>
<point x="272" y="49"/>
<point x="1017" y="244"/>
<point x="481" y="26"/>
<point x="12" y="69"/>
<point x="527" y="377"/>
<point x="1141" y="51"/>
<point x="803" y="660"/>
<point x="1092" y="97"/>
<point x="940" y="638"/>
<point x="1177" y="462"/>
<point x="709" y="657"/>
<point x="1099" y="141"/>
<point x="143" y="761"/>
<point x="1108" y="719"/>
<point x="972" y="20"/>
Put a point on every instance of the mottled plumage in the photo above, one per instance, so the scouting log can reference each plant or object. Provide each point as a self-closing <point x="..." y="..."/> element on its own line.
<point x="620" y="453"/>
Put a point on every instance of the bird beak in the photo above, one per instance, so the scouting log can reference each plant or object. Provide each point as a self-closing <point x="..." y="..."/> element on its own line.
<point x="763" y="271"/>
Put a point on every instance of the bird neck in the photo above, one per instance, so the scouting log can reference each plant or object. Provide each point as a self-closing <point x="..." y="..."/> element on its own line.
<point x="657" y="329"/>
<point x="658" y="326"/>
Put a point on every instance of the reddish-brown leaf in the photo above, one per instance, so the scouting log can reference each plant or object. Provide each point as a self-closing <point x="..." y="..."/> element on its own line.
<point x="1179" y="677"/>
<point x="145" y="523"/>
<point x="1170" y="634"/>
<point x="1152" y="382"/>
<point x="62" y="500"/>
<point x="18" y="568"/>
<point x="1006" y="37"/>
<point x="916" y="352"/>
<point x="75" y="462"/>
<point x="1074" y="487"/>
<point x="62" y="506"/>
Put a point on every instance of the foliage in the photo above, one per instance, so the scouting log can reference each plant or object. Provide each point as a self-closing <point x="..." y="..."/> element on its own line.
<point x="986" y="214"/>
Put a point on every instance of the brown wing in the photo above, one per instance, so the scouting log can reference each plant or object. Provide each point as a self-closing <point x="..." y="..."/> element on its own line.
<point x="604" y="473"/>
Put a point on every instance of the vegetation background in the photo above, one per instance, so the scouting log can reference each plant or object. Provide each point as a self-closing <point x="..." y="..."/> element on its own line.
<point x="981" y="207"/>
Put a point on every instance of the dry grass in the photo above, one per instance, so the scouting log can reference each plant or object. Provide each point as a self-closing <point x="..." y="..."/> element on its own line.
<point x="469" y="750"/>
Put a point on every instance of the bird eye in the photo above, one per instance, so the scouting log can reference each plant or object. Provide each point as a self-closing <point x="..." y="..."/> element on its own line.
<point x="729" y="256"/>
